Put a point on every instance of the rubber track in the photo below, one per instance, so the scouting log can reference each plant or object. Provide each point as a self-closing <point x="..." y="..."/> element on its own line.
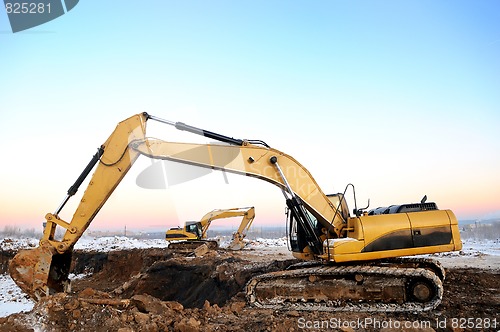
<point x="349" y="270"/>
<point x="420" y="262"/>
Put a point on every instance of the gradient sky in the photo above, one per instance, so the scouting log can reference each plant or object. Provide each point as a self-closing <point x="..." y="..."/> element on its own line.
<point x="400" y="98"/>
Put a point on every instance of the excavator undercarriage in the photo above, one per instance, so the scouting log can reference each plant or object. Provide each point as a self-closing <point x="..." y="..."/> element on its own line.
<point x="391" y="285"/>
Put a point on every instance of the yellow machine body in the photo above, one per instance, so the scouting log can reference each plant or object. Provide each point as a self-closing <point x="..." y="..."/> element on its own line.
<point x="398" y="234"/>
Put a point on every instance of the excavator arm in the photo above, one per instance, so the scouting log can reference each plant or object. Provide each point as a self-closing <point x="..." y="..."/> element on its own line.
<point x="207" y="219"/>
<point x="238" y="236"/>
<point x="45" y="269"/>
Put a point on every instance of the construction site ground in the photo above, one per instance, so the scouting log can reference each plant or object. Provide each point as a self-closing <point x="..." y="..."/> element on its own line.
<point x="158" y="289"/>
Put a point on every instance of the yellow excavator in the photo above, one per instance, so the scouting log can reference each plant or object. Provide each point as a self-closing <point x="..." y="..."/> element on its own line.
<point x="194" y="233"/>
<point x="351" y="262"/>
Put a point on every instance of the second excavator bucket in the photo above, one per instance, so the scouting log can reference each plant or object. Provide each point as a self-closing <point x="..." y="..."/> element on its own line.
<point x="236" y="243"/>
<point x="41" y="271"/>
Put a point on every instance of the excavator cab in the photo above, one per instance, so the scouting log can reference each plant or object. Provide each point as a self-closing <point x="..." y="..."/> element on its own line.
<point x="195" y="228"/>
<point x="192" y="230"/>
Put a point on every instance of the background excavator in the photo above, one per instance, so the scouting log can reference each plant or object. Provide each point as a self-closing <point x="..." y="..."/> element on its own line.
<point x="194" y="233"/>
<point x="351" y="262"/>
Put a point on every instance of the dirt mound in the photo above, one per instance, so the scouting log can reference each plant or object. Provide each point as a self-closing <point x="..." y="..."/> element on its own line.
<point x="472" y="292"/>
<point x="97" y="311"/>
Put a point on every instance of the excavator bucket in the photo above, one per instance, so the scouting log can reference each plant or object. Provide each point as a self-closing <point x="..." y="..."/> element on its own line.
<point x="237" y="243"/>
<point x="236" y="246"/>
<point x="41" y="271"/>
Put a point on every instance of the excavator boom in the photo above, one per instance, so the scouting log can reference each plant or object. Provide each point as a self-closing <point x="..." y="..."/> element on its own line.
<point x="226" y="213"/>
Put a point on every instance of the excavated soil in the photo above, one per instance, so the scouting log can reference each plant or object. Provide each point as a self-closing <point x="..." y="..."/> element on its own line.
<point x="171" y="276"/>
<point x="163" y="290"/>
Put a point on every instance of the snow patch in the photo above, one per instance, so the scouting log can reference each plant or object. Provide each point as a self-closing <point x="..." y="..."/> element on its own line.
<point x="117" y="243"/>
<point x="266" y="243"/>
<point x="16" y="244"/>
<point x="12" y="298"/>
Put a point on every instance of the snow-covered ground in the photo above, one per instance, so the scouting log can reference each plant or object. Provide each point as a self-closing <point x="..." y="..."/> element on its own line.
<point x="13" y="300"/>
<point x="485" y="247"/>
<point x="117" y="243"/>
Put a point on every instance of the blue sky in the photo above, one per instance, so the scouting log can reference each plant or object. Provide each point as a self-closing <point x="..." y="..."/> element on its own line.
<point x="400" y="98"/>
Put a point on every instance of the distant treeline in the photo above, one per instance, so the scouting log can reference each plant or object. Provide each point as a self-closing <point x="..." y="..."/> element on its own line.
<point x="488" y="230"/>
<point x="15" y="232"/>
<point x="481" y="230"/>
